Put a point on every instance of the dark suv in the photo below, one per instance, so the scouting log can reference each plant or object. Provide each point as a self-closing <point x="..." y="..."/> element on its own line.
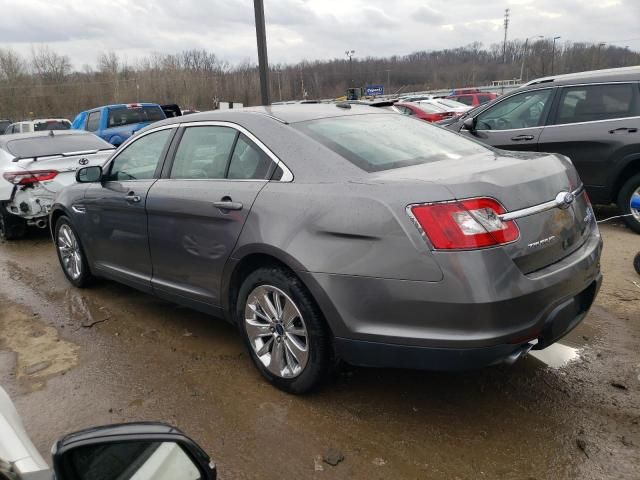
<point x="591" y="117"/>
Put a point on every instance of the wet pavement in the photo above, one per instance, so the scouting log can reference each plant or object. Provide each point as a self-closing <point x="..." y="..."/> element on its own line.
<point x="76" y="358"/>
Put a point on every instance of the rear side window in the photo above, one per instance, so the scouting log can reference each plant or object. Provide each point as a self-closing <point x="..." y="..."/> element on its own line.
<point x="203" y="153"/>
<point x="248" y="161"/>
<point x="119" y="117"/>
<point x="484" y="98"/>
<point x="93" y="121"/>
<point x="589" y="103"/>
<point x="377" y="142"/>
<point x="139" y="160"/>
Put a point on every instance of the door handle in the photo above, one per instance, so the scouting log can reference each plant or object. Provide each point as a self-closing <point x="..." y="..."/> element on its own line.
<point x="132" y="198"/>
<point x="623" y="130"/>
<point x="519" y="138"/>
<point x="227" y="205"/>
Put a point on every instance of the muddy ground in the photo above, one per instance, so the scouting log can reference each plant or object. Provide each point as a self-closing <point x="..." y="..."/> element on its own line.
<point x="76" y="358"/>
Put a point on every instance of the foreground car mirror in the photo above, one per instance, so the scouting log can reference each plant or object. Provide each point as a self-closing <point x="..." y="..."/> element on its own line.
<point x="469" y="124"/>
<point x="89" y="174"/>
<point x="143" y="451"/>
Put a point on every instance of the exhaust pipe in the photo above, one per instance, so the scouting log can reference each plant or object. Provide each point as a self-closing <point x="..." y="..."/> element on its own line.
<point x="42" y="223"/>
<point x="520" y="352"/>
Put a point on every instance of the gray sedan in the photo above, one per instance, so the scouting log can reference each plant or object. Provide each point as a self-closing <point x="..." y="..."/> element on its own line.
<point x="340" y="231"/>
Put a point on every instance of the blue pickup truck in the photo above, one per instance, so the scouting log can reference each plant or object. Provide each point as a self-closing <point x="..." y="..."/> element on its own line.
<point x="116" y="123"/>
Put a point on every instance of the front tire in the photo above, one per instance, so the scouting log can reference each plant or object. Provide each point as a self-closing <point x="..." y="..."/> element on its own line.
<point x="283" y="329"/>
<point x="630" y="188"/>
<point x="71" y="254"/>
<point x="12" y="227"/>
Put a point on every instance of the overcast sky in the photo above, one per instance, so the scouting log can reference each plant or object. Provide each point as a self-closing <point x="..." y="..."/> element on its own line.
<point x="303" y="29"/>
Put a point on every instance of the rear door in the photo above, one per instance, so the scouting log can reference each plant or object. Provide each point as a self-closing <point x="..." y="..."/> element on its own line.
<point x="516" y="122"/>
<point x="595" y="125"/>
<point x="199" y="207"/>
<point x="115" y="218"/>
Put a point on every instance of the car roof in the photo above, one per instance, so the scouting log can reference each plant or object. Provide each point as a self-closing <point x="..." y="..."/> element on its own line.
<point x="4" y="139"/>
<point x="282" y="113"/>
<point x="592" y="76"/>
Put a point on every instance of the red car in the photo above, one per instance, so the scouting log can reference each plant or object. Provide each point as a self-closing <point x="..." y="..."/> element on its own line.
<point x="425" y="111"/>
<point x="472" y="98"/>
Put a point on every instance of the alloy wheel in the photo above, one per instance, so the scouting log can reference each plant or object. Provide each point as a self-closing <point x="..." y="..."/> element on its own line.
<point x="70" y="254"/>
<point x="277" y="332"/>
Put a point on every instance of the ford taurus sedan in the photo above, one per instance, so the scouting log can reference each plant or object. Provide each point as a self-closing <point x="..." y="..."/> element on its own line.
<point x="340" y="232"/>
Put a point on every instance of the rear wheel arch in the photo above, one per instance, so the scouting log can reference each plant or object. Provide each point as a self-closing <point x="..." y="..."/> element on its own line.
<point x="260" y="259"/>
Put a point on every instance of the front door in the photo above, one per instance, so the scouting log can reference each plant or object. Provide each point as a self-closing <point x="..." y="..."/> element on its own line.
<point x="196" y="214"/>
<point x="515" y="123"/>
<point x="115" y="229"/>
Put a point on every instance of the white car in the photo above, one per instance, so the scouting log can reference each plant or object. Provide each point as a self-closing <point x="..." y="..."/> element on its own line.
<point x="39" y="125"/>
<point x="34" y="167"/>
<point x="449" y="105"/>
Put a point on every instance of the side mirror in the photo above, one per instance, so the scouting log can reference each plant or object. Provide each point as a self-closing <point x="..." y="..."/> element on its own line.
<point x="469" y="124"/>
<point x="89" y="174"/>
<point x="140" y="451"/>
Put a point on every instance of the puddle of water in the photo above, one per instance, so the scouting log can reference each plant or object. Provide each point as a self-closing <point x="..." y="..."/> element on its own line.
<point x="556" y="355"/>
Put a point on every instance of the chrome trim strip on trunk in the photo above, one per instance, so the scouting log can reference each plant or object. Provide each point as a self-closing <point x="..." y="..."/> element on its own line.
<point x="542" y="207"/>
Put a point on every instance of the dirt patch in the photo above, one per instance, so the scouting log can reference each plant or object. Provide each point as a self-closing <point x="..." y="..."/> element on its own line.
<point x="41" y="353"/>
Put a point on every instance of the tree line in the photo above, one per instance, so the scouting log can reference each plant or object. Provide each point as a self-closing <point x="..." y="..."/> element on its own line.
<point x="45" y="83"/>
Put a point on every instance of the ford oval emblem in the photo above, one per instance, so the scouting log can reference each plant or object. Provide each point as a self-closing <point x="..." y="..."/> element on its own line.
<point x="83" y="161"/>
<point x="564" y="199"/>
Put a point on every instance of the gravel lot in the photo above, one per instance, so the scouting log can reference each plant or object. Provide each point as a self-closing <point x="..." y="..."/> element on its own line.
<point x="76" y="358"/>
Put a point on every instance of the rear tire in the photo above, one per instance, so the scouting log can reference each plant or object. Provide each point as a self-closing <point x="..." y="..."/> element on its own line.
<point x="630" y="187"/>
<point x="12" y="227"/>
<point x="71" y="254"/>
<point x="636" y="263"/>
<point x="286" y="334"/>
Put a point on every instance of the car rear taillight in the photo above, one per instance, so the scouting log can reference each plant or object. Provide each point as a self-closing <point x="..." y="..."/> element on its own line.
<point x="26" y="178"/>
<point x="465" y="224"/>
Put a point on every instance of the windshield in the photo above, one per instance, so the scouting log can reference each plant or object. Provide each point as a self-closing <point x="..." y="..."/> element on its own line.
<point x="430" y="107"/>
<point x="41" y="125"/>
<point x="119" y="117"/>
<point x="48" y="145"/>
<point x="383" y="142"/>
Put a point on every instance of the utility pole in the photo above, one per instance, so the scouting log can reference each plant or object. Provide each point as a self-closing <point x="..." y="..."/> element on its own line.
<point x="279" y="72"/>
<point x="263" y="63"/>
<point x="506" y="28"/>
<point x="600" y="45"/>
<point x="349" y="53"/>
<point x="553" y="54"/>
<point x="389" y="77"/>
<point x="525" y="54"/>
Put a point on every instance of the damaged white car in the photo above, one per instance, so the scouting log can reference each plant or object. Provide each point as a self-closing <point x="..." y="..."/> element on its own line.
<point x="34" y="167"/>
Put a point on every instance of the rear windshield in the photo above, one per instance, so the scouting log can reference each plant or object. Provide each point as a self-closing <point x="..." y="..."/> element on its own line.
<point x="430" y="107"/>
<point x="383" y="142"/>
<point x="119" y="117"/>
<point x="51" y="125"/>
<point x="48" y="145"/>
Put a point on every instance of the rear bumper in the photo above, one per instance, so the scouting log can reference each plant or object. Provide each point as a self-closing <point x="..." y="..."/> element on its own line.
<point x="560" y="321"/>
<point x="481" y="312"/>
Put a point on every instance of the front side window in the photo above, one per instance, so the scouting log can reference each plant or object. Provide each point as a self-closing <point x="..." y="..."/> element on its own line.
<point x="522" y="110"/>
<point x="203" y="153"/>
<point x="248" y="161"/>
<point x="139" y="160"/>
<point x="93" y="121"/>
<point x="376" y="142"/>
<point x="589" y="103"/>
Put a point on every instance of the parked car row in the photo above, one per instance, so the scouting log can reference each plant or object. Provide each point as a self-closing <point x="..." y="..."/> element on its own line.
<point x="339" y="231"/>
